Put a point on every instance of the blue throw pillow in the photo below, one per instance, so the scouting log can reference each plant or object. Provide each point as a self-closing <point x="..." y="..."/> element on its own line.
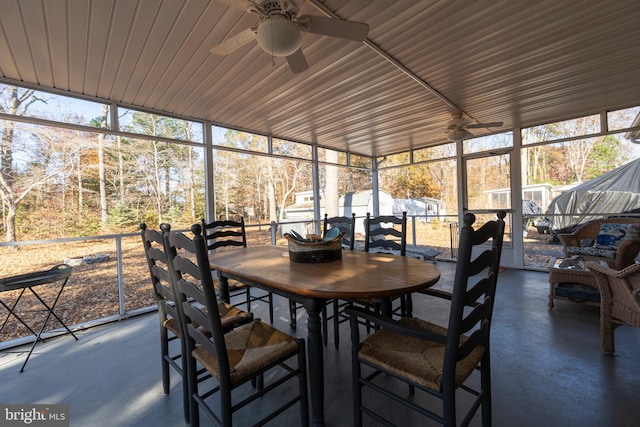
<point x="611" y="234"/>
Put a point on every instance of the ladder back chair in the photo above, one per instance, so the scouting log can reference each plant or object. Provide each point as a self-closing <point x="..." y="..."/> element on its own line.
<point x="344" y="224"/>
<point x="170" y="329"/>
<point x="235" y="358"/>
<point x="225" y="234"/>
<point x="427" y="356"/>
<point x="388" y="234"/>
<point x="348" y="226"/>
<point x="168" y="302"/>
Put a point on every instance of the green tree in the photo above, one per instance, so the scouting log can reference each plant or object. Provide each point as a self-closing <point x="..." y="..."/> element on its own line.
<point x="607" y="153"/>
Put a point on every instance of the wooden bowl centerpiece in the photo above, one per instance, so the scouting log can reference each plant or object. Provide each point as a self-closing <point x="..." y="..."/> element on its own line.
<point x="313" y="248"/>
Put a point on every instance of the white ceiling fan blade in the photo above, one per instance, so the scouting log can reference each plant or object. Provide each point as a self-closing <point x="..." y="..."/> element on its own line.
<point x="297" y="61"/>
<point x="235" y="42"/>
<point x="484" y="125"/>
<point x="350" y="30"/>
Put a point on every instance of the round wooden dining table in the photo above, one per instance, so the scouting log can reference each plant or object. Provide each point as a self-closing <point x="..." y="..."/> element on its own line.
<point x="358" y="275"/>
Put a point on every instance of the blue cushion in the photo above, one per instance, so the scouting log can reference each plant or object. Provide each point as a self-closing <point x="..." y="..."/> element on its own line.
<point x="611" y="234"/>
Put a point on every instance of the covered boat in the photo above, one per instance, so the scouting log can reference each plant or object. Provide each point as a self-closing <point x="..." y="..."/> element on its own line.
<point x="612" y="194"/>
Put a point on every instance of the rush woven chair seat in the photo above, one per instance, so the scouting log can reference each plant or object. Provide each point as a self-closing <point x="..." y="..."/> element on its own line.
<point x="247" y="346"/>
<point x="224" y="235"/>
<point x="418" y="358"/>
<point x="241" y="357"/>
<point x="430" y="357"/>
<point x="619" y="300"/>
<point x="166" y="300"/>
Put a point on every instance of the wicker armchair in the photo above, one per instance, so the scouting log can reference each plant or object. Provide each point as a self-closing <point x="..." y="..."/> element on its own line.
<point x="579" y="243"/>
<point x="619" y="300"/>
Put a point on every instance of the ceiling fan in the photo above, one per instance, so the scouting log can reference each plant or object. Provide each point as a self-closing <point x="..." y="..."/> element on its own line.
<point x="278" y="31"/>
<point x="458" y="125"/>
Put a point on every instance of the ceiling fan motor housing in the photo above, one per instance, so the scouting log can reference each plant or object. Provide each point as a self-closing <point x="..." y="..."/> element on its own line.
<point x="457" y="121"/>
<point x="287" y="8"/>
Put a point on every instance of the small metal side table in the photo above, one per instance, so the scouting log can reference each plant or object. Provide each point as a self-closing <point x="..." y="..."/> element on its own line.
<point x="59" y="273"/>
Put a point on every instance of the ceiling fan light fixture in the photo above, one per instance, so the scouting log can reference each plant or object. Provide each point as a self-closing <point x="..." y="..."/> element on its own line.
<point x="458" y="135"/>
<point x="278" y="36"/>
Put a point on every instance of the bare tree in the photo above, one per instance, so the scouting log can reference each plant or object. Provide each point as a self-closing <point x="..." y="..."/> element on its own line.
<point x="576" y="154"/>
<point x="13" y="101"/>
<point x="286" y="180"/>
<point x="271" y="193"/>
<point x="190" y="181"/>
<point x="79" y="176"/>
<point x="104" y="213"/>
<point x="121" y="187"/>
<point x="156" y="159"/>
<point x="224" y="166"/>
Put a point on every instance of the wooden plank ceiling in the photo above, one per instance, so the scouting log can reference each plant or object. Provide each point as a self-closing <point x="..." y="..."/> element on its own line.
<point x="523" y="63"/>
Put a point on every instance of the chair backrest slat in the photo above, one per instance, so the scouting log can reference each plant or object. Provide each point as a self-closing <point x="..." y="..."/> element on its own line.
<point x="223" y="233"/>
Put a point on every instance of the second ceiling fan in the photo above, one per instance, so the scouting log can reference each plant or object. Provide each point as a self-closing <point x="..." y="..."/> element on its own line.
<point x="278" y="31"/>
<point x="457" y="127"/>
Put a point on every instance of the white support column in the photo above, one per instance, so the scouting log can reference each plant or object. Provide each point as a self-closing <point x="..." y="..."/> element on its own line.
<point x="462" y="182"/>
<point x="374" y="187"/>
<point x="208" y="173"/>
<point x="517" y="181"/>
<point x="315" y="176"/>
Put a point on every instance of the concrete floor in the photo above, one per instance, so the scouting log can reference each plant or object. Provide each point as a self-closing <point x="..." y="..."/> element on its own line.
<point x="547" y="368"/>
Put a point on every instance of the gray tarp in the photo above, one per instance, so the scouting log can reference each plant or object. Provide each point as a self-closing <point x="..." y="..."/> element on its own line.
<point x="615" y="192"/>
<point x="530" y="207"/>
